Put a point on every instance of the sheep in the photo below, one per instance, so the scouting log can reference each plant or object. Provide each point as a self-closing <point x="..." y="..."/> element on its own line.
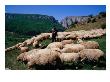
<point x="10" y="48"/>
<point x="35" y="44"/>
<point x="27" y="55"/>
<point x="23" y="49"/>
<point x="45" y="35"/>
<point x="55" y="45"/>
<point x="21" y="56"/>
<point x="66" y="33"/>
<point x="90" y="44"/>
<point x="72" y="48"/>
<point x="22" y="45"/>
<point x="68" y="45"/>
<point x="44" y="56"/>
<point x="17" y="45"/>
<point x="90" y="54"/>
<point x="69" y="57"/>
<point x="67" y="42"/>
<point x="71" y="36"/>
<point x="42" y="36"/>
<point x="60" y="37"/>
<point x="38" y="38"/>
<point x="79" y="40"/>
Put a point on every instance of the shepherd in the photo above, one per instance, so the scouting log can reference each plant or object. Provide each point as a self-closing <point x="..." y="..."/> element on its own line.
<point x="54" y="34"/>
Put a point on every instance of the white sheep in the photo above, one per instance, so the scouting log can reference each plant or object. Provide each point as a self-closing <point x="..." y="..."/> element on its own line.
<point x="26" y="56"/>
<point x="10" y="48"/>
<point x="23" y="49"/>
<point x="38" y="38"/>
<point x="90" y="54"/>
<point x="45" y="35"/>
<point x="79" y="40"/>
<point x="17" y="45"/>
<point x="60" y="37"/>
<point x="67" y="42"/>
<point x="44" y="56"/>
<point x="69" y="57"/>
<point x="90" y="44"/>
<point x="71" y="36"/>
<point x="29" y="41"/>
<point x="69" y="48"/>
<point x="36" y="43"/>
<point x="55" y="45"/>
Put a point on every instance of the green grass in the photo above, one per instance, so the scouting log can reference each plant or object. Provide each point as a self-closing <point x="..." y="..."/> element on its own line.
<point x="11" y="62"/>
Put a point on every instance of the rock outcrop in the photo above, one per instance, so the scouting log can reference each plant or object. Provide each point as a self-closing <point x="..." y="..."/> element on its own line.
<point x="67" y="21"/>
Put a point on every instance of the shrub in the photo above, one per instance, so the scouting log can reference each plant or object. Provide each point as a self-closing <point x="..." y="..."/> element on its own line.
<point x="91" y="16"/>
<point x="93" y="20"/>
<point x="72" y="25"/>
<point x="89" y="20"/>
<point x="102" y="14"/>
<point x="103" y="26"/>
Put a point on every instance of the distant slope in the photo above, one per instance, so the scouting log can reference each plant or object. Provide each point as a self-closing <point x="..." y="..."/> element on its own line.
<point x="88" y="26"/>
<point x="30" y="24"/>
<point x="67" y="21"/>
<point x="84" y="22"/>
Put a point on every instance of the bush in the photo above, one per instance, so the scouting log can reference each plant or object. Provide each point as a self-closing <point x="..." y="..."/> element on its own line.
<point x="72" y="25"/>
<point x="93" y="20"/>
<point x="91" y="16"/>
<point x="102" y="14"/>
<point x="89" y="20"/>
<point x="103" y="26"/>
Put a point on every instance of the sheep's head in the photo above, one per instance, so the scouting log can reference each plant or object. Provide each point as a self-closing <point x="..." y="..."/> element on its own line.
<point x="20" y="57"/>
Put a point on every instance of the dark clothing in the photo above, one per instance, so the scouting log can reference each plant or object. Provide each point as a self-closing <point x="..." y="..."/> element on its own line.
<point x="54" y="34"/>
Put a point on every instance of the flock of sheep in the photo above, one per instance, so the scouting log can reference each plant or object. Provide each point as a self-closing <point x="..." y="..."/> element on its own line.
<point x="65" y="49"/>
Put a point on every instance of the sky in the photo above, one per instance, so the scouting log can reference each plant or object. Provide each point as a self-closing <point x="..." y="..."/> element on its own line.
<point x="58" y="11"/>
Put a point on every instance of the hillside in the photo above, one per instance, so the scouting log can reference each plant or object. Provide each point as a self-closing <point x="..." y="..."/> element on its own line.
<point x="72" y="23"/>
<point x="99" y="23"/>
<point x="30" y="24"/>
<point x="67" y="21"/>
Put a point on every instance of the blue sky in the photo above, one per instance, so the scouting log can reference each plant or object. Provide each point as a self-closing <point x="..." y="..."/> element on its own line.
<point x="58" y="11"/>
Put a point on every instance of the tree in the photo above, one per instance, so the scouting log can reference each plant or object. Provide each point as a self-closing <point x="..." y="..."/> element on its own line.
<point x="91" y="16"/>
<point x="93" y="20"/>
<point x="102" y="14"/>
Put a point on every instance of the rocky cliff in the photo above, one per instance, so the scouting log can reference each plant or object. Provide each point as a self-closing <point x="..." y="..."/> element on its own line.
<point x="67" y="21"/>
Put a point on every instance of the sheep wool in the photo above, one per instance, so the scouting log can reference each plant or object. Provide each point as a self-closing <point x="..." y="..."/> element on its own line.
<point x="67" y="42"/>
<point x="24" y="49"/>
<point x="90" y="44"/>
<point x="43" y="57"/>
<point x="72" y="48"/>
<point x="26" y="55"/>
<point x="69" y="57"/>
<point x="55" y="45"/>
<point x="35" y="44"/>
<point x="91" y="54"/>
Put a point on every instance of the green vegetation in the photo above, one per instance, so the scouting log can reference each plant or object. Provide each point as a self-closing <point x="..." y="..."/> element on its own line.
<point x="13" y="38"/>
<point x="103" y="26"/>
<point x="30" y="24"/>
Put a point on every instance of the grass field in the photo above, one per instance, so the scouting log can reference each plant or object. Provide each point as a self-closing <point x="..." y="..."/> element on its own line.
<point x="12" y="63"/>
